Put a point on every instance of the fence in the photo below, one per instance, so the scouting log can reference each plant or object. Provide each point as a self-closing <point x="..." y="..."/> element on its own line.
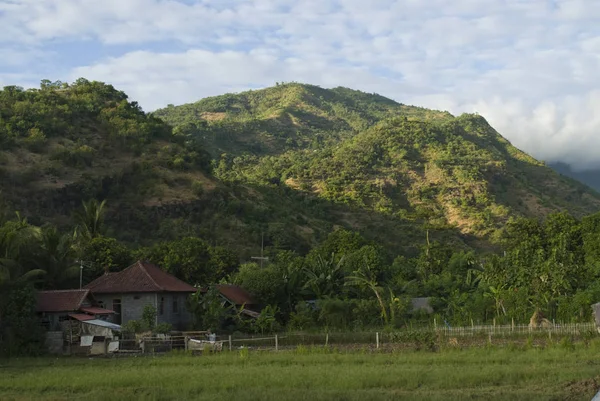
<point x="414" y="337"/>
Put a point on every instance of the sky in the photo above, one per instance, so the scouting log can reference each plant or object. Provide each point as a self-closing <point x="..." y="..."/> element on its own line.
<point x="528" y="66"/>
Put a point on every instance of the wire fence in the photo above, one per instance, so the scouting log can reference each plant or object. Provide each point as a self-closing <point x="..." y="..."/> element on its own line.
<point x="416" y="338"/>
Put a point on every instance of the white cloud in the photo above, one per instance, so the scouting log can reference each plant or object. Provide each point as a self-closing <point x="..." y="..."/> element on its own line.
<point x="528" y="66"/>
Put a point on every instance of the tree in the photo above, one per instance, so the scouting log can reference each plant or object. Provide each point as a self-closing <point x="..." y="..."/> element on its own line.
<point x="105" y="255"/>
<point x="363" y="280"/>
<point x="18" y="241"/>
<point x="189" y="259"/>
<point x="90" y="219"/>
<point x="325" y="277"/>
<point x="56" y="258"/>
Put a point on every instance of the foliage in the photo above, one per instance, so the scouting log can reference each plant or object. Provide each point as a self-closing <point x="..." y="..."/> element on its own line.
<point x="133" y="327"/>
<point x="149" y="317"/>
<point x="208" y="309"/>
<point x="20" y="332"/>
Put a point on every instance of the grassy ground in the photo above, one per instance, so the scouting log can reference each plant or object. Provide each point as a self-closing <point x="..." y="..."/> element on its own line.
<point x="554" y="373"/>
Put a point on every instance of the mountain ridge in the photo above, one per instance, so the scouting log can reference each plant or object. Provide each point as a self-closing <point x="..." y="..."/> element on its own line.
<point x="292" y="162"/>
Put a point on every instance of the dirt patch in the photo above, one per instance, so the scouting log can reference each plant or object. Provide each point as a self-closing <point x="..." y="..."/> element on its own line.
<point x="582" y="389"/>
<point x="208" y="116"/>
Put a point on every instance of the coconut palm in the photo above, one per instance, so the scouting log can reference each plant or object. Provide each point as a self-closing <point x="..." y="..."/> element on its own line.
<point x="17" y="242"/>
<point x="90" y="219"/>
<point x="57" y="257"/>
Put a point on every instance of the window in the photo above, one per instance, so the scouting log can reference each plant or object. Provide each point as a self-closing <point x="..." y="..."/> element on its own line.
<point x="117" y="309"/>
<point x="161" y="307"/>
<point x="175" y="305"/>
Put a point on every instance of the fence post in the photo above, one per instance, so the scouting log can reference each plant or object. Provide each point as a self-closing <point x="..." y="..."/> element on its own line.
<point x="276" y="343"/>
<point x="326" y="339"/>
<point x="185" y="339"/>
<point x="377" y="339"/>
<point x="230" y="342"/>
<point x="513" y="324"/>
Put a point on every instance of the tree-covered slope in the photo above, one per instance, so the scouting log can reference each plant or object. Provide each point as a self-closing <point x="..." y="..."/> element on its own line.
<point x="426" y="169"/>
<point x="284" y="117"/>
<point x="291" y="162"/>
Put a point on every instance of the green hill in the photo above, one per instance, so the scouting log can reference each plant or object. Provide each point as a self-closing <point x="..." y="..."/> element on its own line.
<point x="292" y="161"/>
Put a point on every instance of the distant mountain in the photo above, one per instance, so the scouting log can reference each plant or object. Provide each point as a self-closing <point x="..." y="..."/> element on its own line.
<point x="590" y="178"/>
<point x="292" y="161"/>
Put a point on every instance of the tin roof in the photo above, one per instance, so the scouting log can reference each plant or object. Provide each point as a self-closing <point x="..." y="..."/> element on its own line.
<point x="60" y="300"/>
<point x="235" y="294"/>
<point x="139" y="277"/>
<point x="102" y="323"/>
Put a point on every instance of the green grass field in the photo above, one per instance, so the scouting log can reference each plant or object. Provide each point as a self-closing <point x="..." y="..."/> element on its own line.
<point x="554" y="373"/>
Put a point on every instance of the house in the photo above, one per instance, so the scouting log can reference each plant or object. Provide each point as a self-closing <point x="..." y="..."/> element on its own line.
<point x="422" y="304"/>
<point x="55" y="307"/>
<point x="129" y="291"/>
<point x="237" y="297"/>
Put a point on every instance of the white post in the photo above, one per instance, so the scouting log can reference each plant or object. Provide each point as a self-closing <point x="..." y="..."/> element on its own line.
<point x="276" y="343"/>
<point x="230" y="342"/>
<point x="377" y="339"/>
<point x="186" y="342"/>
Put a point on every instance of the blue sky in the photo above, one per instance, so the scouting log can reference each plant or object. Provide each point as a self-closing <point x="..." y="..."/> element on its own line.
<point x="529" y="66"/>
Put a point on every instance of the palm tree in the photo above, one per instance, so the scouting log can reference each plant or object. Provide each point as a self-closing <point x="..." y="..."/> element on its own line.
<point x="56" y="257"/>
<point x="90" y="219"/>
<point x="325" y="276"/>
<point x="360" y="279"/>
<point x="17" y="240"/>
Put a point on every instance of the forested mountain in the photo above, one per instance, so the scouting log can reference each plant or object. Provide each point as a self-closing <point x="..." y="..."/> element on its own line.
<point x="291" y="162"/>
<point x="395" y="169"/>
<point x="362" y="203"/>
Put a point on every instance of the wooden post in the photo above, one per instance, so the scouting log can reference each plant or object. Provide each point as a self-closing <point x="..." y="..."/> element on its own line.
<point x="230" y="342"/>
<point x="326" y="339"/>
<point x="276" y="343"/>
<point x="513" y="324"/>
<point x="185" y="339"/>
<point x="377" y="339"/>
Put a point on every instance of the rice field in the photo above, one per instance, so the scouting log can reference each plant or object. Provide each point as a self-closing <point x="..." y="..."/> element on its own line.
<point x="559" y="372"/>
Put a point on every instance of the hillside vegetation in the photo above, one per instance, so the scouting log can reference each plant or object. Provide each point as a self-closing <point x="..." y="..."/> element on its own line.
<point x="291" y="162"/>
<point x="361" y="203"/>
<point x="419" y="168"/>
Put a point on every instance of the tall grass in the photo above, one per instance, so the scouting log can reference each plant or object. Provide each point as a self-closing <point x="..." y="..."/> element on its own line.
<point x="313" y="373"/>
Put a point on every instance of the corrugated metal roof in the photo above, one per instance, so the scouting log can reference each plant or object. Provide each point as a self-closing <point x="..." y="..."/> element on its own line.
<point x="61" y="300"/>
<point x="103" y="323"/>
<point x="139" y="277"/>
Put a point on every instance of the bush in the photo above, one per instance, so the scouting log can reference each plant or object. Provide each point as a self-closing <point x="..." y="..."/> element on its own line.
<point x="163" y="328"/>
<point x="149" y="317"/>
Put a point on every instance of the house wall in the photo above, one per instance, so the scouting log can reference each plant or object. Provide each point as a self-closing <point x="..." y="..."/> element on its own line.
<point x="133" y="304"/>
<point x="52" y="319"/>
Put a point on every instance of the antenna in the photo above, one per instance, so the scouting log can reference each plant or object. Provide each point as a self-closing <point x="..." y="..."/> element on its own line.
<point x="81" y="264"/>
<point x="262" y="248"/>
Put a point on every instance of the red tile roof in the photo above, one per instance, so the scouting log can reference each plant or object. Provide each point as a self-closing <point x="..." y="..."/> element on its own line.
<point x="139" y="277"/>
<point x="82" y="317"/>
<point x="96" y="311"/>
<point x="235" y="294"/>
<point x="60" y="301"/>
